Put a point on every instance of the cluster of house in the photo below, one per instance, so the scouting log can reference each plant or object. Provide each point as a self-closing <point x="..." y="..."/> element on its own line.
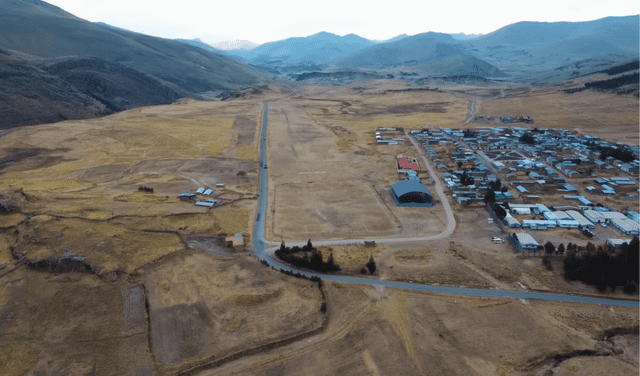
<point x="204" y="192"/>
<point x="479" y="172"/>
<point x="570" y="153"/>
<point x="393" y="141"/>
<point x="584" y="216"/>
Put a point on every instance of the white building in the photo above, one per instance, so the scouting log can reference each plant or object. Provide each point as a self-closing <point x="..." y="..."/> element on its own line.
<point x="594" y="216"/>
<point x="626" y="226"/>
<point x="583" y="222"/>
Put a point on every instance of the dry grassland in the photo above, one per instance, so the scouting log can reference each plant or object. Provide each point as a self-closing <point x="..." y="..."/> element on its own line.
<point x="352" y="257"/>
<point x="610" y="117"/>
<point x="72" y="324"/>
<point x="80" y="198"/>
<point x="90" y="170"/>
<point x="204" y="308"/>
<point x="105" y="246"/>
<point x="375" y="330"/>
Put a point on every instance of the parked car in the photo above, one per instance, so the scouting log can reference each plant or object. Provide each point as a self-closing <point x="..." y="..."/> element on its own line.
<point x="497" y="240"/>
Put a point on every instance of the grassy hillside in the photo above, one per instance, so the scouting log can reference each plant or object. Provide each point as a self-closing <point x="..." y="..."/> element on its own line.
<point x="118" y="68"/>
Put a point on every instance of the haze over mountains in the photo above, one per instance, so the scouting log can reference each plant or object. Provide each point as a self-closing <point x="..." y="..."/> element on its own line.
<point x="56" y="66"/>
<point x="525" y="52"/>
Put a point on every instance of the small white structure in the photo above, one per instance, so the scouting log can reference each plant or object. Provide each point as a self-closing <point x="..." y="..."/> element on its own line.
<point x="208" y="192"/>
<point x="204" y="203"/>
<point x="219" y="185"/>
<point x="617" y="243"/>
<point x="521" y="211"/>
<point x="200" y="190"/>
<point x="538" y="225"/>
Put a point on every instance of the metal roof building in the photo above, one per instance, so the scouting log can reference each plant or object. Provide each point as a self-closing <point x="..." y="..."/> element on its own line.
<point x="525" y="241"/>
<point x="411" y="193"/>
<point x="595" y="216"/>
<point x="584" y="222"/>
<point x="626" y="226"/>
<point x="613" y="215"/>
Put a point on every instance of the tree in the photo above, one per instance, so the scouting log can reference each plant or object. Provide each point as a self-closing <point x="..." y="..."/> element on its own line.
<point x="466" y="179"/>
<point x="371" y="265"/>
<point x="308" y="247"/>
<point x="499" y="210"/>
<point x="459" y="164"/>
<point x="330" y="261"/>
<point x="549" y="248"/>
<point x="527" y="138"/>
<point x="560" y="249"/>
<point x="495" y="185"/>
<point x="490" y="197"/>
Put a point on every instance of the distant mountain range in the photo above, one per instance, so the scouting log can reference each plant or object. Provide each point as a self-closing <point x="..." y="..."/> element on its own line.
<point x="315" y="48"/>
<point x="57" y="66"/>
<point x="237" y="44"/>
<point x="526" y="52"/>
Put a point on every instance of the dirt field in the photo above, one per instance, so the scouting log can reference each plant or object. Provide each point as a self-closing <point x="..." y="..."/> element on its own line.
<point x="323" y="142"/>
<point x="366" y="214"/>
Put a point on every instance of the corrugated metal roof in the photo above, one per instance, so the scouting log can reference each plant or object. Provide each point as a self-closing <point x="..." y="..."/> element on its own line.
<point x="407" y="186"/>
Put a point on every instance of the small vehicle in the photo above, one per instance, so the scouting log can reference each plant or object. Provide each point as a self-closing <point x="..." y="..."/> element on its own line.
<point x="587" y="232"/>
<point x="265" y="165"/>
<point x="603" y="225"/>
<point x="497" y="240"/>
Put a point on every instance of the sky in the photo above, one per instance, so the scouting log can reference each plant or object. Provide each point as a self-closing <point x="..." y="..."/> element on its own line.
<point x="265" y="21"/>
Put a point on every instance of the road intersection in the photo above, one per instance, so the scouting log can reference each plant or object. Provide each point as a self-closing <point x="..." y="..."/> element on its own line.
<point x="266" y="254"/>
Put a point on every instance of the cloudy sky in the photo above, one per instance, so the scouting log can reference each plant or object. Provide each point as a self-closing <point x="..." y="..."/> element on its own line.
<point x="264" y="21"/>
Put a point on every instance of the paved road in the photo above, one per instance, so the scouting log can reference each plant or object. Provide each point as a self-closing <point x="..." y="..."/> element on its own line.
<point x="265" y="254"/>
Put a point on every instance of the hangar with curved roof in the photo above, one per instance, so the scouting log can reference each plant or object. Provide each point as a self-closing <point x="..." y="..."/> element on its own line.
<point x="411" y="192"/>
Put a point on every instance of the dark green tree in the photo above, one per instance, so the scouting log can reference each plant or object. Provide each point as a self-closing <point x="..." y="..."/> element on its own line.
<point x="490" y="197"/>
<point x="371" y="265"/>
<point x="549" y="248"/>
<point x="560" y="249"/>
<point x="308" y="247"/>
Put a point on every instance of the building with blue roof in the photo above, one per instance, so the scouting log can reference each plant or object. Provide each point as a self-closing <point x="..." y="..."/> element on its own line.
<point x="411" y="192"/>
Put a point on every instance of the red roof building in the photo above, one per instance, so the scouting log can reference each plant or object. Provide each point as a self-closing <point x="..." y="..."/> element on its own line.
<point x="406" y="163"/>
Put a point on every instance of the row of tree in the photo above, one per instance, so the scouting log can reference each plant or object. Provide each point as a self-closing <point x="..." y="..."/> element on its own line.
<point x="306" y="257"/>
<point x="604" y="267"/>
